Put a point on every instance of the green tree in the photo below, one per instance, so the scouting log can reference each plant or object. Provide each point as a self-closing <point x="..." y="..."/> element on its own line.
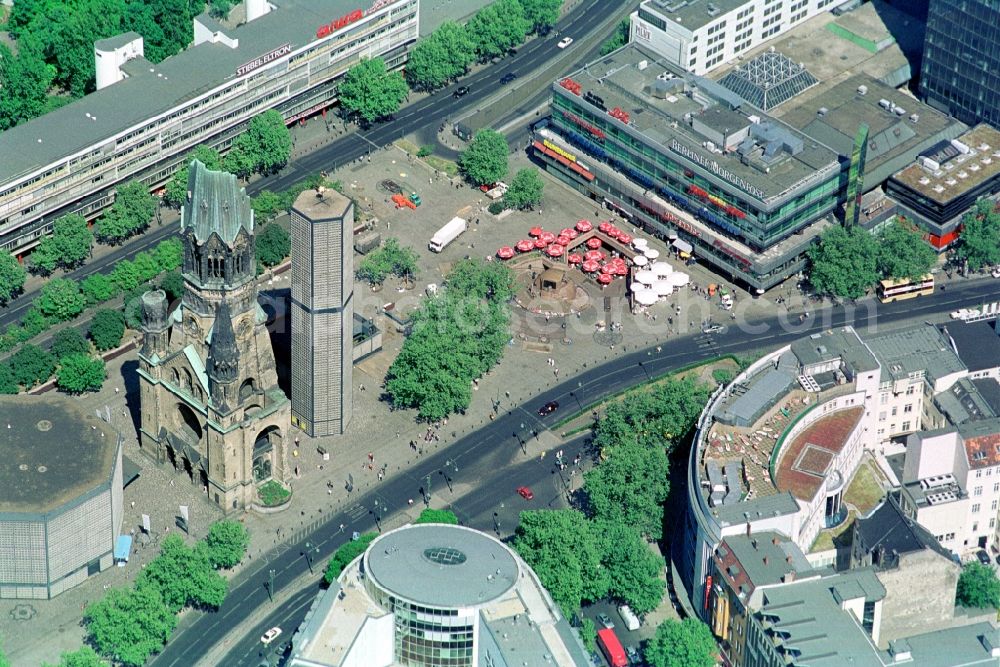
<point x="978" y="587"/>
<point x="129" y="625"/>
<point x="437" y="516"/>
<point x="346" y="553"/>
<point x="442" y="56"/>
<point x="8" y="385"/>
<point x="164" y="24"/>
<point x="107" y="328"/>
<point x="687" y="643"/>
<point x="169" y="254"/>
<point x="176" y="188"/>
<point x="844" y="262"/>
<point x="61" y="299"/>
<point x="980" y="236"/>
<point x="98" y="288"/>
<point x="633" y="568"/>
<point x="267" y="143"/>
<point x="32" y="365"/>
<point x="67" y="39"/>
<point x="371" y="92"/>
<point x="12" y="276"/>
<point x="226" y="543"/>
<point x="484" y="162"/>
<point x="561" y="548"/>
<point x="68" y="246"/>
<point x="474" y="278"/>
<point x="131" y="213"/>
<point x="25" y="81"/>
<point x="266" y="206"/>
<point x="273" y="245"/>
<point x="183" y="577"/>
<point x="146" y="266"/>
<point x="618" y="39"/>
<point x="525" y="191"/>
<point x="903" y="253"/>
<point x="32" y="323"/>
<point x="79" y="373"/>
<point x="391" y="258"/>
<point x="126" y="275"/>
<point x="172" y="283"/>
<point x="541" y="13"/>
<point x="497" y="28"/>
<point x="630" y="487"/>
<point x="220" y="8"/>
<point x="652" y="417"/>
<point x="69" y="341"/>
<point x="82" y="657"/>
<point x="238" y="161"/>
<point x="4" y="662"/>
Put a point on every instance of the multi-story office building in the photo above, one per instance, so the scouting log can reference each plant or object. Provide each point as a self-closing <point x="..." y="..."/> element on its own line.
<point x="678" y="155"/>
<point x="143" y="125"/>
<point x="700" y="35"/>
<point x="322" y="310"/>
<point x="960" y="72"/>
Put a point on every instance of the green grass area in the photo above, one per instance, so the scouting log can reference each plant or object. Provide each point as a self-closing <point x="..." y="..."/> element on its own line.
<point x="272" y="493"/>
<point x="439" y="163"/>
<point x="865" y="490"/>
<point x="407" y="146"/>
<point x="824" y="541"/>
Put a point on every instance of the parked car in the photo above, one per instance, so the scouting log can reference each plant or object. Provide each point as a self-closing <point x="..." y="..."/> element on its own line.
<point x="995" y="272"/>
<point x="983" y="557"/>
<point x="270" y="635"/>
<point x="461" y="91"/>
<point x="713" y="328"/>
<point x="605" y="621"/>
<point x="525" y="492"/>
<point x="633" y="655"/>
<point x="564" y="42"/>
<point x="507" y="78"/>
<point x="548" y="408"/>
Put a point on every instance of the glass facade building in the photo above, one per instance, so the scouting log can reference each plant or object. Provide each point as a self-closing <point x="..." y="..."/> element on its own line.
<point x="960" y="73"/>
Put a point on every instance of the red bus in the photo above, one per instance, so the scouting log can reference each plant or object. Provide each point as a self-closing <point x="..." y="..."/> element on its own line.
<point x="611" y="647"/>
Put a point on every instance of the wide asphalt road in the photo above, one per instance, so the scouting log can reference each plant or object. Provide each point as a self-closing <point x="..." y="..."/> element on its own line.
<point x="429" y="112"/>
<point x="489" y="453"/>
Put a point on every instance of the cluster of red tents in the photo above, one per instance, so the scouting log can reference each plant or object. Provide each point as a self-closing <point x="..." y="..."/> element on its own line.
<point x="590" y="261"/>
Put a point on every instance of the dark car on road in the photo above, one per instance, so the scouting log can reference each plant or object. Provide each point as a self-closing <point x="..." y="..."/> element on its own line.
<point x="461" y="91"/>
<point x="983" y="557"/>
<point x="548" y="408"/>
<point x="507" y="78"/>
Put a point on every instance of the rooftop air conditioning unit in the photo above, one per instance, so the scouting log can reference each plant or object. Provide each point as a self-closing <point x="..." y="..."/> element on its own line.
<point x="643" y="64"/>
<point x="914" y="117"/>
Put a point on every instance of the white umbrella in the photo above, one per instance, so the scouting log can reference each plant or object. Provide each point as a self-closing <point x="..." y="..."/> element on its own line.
<point x="646" y="297"/>
<point x="663" y="288"/>
<point x="640" y="244"/>
<point x="645" y="277"/>
<point x="678" y="279"/>
<point x="661" y="268"/>
<point x="640" y="260"/>
<point x="638" y="287"/>
<point x="651" y="253"/>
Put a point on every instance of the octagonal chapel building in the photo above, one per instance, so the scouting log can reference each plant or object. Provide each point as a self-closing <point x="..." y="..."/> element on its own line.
<point x="211" y="404"/>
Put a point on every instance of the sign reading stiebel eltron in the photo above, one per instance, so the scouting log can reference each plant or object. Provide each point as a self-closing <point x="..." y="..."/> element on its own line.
<point x="282" y="50"/>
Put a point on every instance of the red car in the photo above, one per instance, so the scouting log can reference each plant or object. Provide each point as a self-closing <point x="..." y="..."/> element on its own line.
<point x="525" y="492"/>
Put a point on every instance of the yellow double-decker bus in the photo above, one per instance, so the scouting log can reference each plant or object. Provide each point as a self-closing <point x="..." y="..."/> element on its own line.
<point x="904" y="288"/>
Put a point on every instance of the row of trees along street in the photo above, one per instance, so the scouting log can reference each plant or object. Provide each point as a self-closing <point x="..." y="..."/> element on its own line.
<point x="604" y="547"/>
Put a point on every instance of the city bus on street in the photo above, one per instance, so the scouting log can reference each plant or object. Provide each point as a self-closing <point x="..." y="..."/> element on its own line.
<point x="896" y="290"/>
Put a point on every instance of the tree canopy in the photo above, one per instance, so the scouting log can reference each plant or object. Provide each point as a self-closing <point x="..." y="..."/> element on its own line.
<point x="69" y="341"/>
<point x="79" y="373"/>
<point x="484" y="162"/>
<point x="903" y="253"/>
<point x="12" y="277"/>
<point x="8" y="385"/>
<point x="68" y="246"/>
<point x="25" y="80"/>
<point x="618" y="39"/>
<point x="630" y="487"/>
<point x="273" y="245"/>
<point x="390" y="259"/>
<point x="541" y="13"/>
<point x="497" y="28"/>
<point x="442" y="56"/>
<point x="525" y="191"/>
<point x="687" y="643"/>
<point x="172" y="283"/>
<point x="978" y="587"/>
<point x="980" y="236"/>
<point x="82" y="657"/>
<point x="660" y="415"/>
<point x="131" y="214"/>
<point x="264" y="146"/>
<point x="634" y="570"/>
<point x="61" y="299"/>
<point x="226" y="543"/>
<point x="129" y="625"/>
<point x="107" y="328"/>
<point x="560" y="546"/>
<point x="183" y="576"/>
<point x="371" y="92"/>
<point x="844" y="262"/>
<point x="343" y="556"/>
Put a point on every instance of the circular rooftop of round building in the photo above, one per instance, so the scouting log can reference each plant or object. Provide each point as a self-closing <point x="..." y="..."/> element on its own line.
<point x="50" y="453"/>
<point x="441" y="565"/>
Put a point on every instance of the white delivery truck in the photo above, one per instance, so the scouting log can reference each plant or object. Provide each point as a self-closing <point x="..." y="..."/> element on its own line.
<point x="629" y="617"/>
<point x="447" y="234"/>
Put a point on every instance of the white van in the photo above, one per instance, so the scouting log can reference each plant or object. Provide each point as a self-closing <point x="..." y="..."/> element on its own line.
<point x="630" y="619"/>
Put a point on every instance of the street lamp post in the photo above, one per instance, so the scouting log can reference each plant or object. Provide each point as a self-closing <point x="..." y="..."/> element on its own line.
<point x="646" y="371"/>
<point x="427" y="491"/>
<point x="575" y="394"/>
<point x="308" y="554"/>
<point x="270" y="585"/>
<point x="378" y="516"/>
<point x="496" y="523"/>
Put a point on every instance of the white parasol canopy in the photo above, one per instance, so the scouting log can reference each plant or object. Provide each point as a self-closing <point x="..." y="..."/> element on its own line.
<point x="661" y="268"/>
<point x="663" y="288"/>
<point x="678" y="279"/>
<point x="640" y="244"/>
<point x="651" y="253"/>
<point x="645" y="277"/>
<point x="646" y="297"/>
<point x="638" y="287"/>
<point x="640" y="260"/>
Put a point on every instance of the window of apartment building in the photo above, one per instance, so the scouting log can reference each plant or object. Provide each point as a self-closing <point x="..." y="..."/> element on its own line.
<point x="949" y="536"/>
<point x="906" y="426"/>
<point x="714" y="61"/>
<point x="881" y="416"/>
<point x="910" y="390"/>
<point x="745" y="13"/>
<point x="894" y="410"/>
<point x="716" y="28"/>
<point x="975" y="528"/>
<point x="996" y="487"/>
<point x="881" y="431"/>
<point x="993" y="522"/>
<point x="977" y="491"/>
<point x="885" y="399"/>
<point x="772" y="9"/>
<point x="741" y="46"/>
<point x="976" y="507"/>
<point x="798" y="5"/>
<point x="993" y="505"/>
<point x="908" y="407"/>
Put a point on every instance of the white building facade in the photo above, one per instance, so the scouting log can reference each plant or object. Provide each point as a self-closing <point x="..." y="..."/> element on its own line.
<point x="699" y="35"/>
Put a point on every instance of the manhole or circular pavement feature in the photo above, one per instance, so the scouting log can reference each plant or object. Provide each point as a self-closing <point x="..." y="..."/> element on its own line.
<point x="23" y="467"/>
<point x="608" y="338"/>
<point x="43" y="468"/>
<point x="44" y="425"/>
